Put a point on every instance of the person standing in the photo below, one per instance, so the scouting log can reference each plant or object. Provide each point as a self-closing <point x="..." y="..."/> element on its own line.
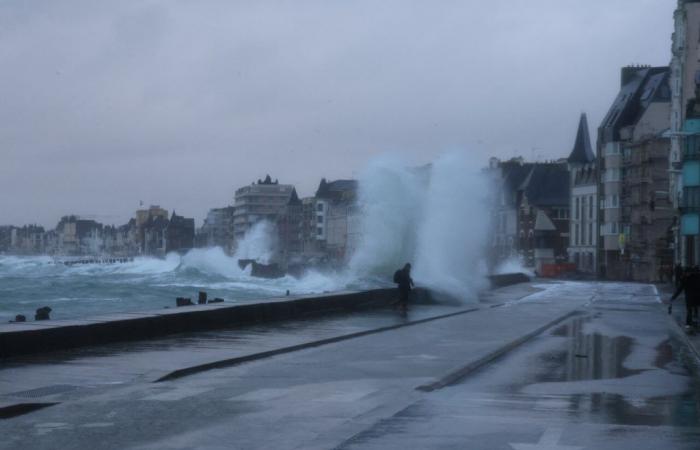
<point x="678" y="275"/>
<point x="690" y="284"/>
<point x="402" y="277"/>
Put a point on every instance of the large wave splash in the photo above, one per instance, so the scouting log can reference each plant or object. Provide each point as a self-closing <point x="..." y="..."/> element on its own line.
<point x="436" y="217"/>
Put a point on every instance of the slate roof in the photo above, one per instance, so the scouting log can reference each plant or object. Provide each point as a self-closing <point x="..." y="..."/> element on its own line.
<point x="294" y="198"/>
<point x="547" y="184"/>
<point x="582" y="152"/>
<point x="641" y="86"/>
<point x="338" y="190"/>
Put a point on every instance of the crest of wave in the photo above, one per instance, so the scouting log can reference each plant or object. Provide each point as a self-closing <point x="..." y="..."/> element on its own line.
<point x="435" y="217"/>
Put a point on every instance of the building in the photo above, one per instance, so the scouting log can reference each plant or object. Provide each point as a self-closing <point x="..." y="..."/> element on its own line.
<point x="217" y="230"/>
<point x="264" y="200"/>
<point x="5" y="238"/>
<point x="543" y="215"/>
<point x="583" y="231"/>
<point x="531" y="218"/>
<point x="149" y="227"/>
<point x="683" y="156"/>
<point x="508" y="176"/>
<point x="336" y="203"/>
<point x="179" y="234"/>
<point x="640" y="113"/>
<point x="290" y="230"/>
<point x="27" y="240"/>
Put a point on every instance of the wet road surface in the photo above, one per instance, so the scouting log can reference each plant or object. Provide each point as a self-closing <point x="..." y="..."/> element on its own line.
<point x="618" y="377"/>
<point x="615" y="375"/>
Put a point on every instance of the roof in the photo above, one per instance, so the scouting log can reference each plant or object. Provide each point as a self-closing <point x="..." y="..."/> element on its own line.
<point x="294" y="198"/>
<point x="582" y="152"/>
<point x="543" y="222"/>
<point x="547" y="184"/>
<point x="338" y="190"/>
<point x="640" y="87"/>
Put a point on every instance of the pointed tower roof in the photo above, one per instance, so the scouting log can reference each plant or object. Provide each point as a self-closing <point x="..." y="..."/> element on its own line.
<point x="294" y="198"/>
<point x="582" y="152"/>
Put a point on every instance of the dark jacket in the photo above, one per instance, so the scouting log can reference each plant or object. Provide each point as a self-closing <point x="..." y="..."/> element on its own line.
<point x="404" y="281"/>
<point x="690" y="284"/>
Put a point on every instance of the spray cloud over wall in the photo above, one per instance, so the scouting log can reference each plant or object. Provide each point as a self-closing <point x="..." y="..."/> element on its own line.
<point x="436" y="217"/>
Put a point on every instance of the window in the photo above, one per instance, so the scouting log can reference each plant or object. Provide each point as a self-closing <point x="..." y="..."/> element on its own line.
<point x="576" y="240"/>
<point x="590" y="234"/>
<point x="590" y="207"/>
<point x="319" y="207"/>
<point x="319" y="231"/>
<point x="576" y="210"/>
<point x="319" y="219"/>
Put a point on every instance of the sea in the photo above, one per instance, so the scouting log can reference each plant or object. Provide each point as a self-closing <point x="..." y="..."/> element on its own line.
<point x="145" y="283"/>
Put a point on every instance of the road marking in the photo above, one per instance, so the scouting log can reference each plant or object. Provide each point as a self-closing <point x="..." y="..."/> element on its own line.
<point x="548" y="441"/>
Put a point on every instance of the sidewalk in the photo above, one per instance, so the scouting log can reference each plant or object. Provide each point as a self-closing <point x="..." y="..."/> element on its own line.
<point x="666" y="290"/>
<point x="83" y="371"/>
<point x="314" y="398"/>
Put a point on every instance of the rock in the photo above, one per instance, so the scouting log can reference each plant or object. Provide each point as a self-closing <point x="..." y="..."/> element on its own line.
<point x="202" y="300"/>
<point x="20" y="318"/>
<point x="42" y="313"/>
<point x="217" y="300"/>
<point x="182" y="301"/>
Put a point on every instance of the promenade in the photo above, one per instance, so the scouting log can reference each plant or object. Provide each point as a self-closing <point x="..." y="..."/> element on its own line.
<point x="542" y="365"/>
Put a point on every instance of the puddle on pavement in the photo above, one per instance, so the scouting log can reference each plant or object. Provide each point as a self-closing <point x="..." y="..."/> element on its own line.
<point x="589" y="378"/>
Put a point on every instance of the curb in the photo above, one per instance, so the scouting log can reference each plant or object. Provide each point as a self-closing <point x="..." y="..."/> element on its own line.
<point x="180" y="373"/>
<point x="459" y="374"/>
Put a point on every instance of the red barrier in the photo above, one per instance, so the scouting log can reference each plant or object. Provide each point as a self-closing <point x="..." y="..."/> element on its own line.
<point x="554" y="270"/>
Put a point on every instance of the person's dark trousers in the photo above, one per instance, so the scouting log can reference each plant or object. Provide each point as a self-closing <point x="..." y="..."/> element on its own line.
<point x="403" y="297"/>
<point x="690" y="312"/>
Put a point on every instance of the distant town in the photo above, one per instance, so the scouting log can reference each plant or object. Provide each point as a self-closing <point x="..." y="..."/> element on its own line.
<point x="313" y="230"/>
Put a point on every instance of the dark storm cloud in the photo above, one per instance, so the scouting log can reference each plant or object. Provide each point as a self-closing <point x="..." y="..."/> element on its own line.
<point x="103" y="104"/>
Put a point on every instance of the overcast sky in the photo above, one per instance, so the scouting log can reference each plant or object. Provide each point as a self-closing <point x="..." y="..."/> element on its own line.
<point x="107" y="103"/>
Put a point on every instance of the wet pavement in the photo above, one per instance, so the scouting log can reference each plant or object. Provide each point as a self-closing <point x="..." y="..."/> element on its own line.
<point x="615" y="374"/>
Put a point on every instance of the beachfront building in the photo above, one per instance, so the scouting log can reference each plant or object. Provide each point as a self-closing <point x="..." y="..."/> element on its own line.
<point x="530" y="221"/>
<point x="508" y="177"/>
<point x="684" y="182"/>
<point x="336" y="204"/>
<point x="583" y="229"/>
<point x="179" y="234"/>
<point x="633" y="158"/>
<point x="264" y="200"/>
<point x="217" y="229"/>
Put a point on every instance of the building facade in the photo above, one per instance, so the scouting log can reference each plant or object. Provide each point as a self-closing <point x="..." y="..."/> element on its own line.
<point x="264" y="200"/>
<point x="583" y="231"/>
<point x="683" y="156"/>
<point x="641" y="111"/>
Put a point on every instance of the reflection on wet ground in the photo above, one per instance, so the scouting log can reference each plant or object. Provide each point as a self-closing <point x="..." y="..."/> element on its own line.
<point x="615" y="378"/>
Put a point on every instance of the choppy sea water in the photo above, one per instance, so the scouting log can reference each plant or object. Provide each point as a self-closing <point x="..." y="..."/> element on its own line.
<point x="28" y="283"/>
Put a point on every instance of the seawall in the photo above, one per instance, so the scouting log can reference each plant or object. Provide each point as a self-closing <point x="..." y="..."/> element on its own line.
<point x="18" y="339"/>
<point x="41" y="336"/>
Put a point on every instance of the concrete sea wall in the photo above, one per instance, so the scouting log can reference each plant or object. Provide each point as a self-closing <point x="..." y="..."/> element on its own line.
<point x="41" y="336"/>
